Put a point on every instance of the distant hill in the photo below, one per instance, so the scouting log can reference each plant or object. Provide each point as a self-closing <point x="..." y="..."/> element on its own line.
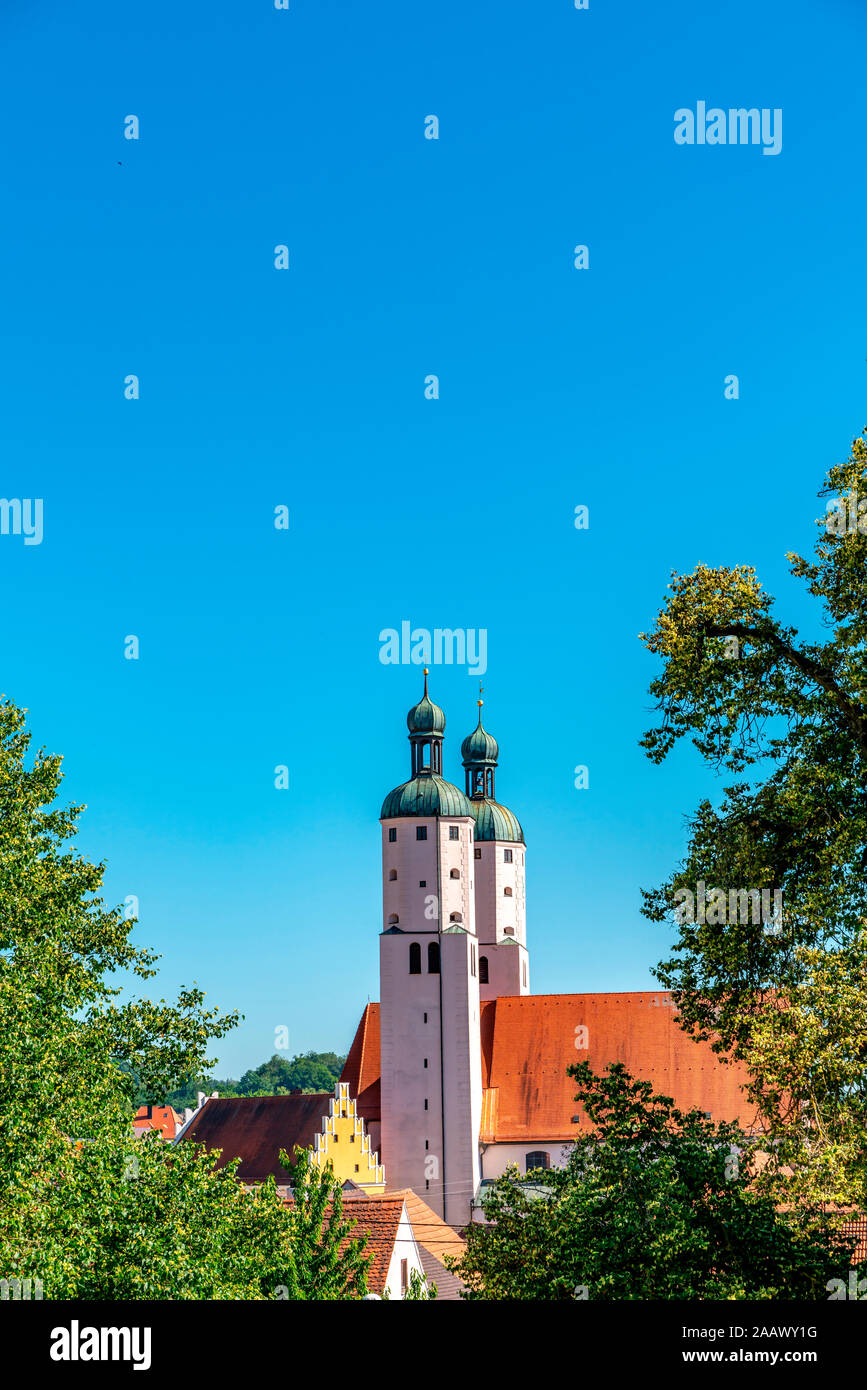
<point x="308" y="1071"/>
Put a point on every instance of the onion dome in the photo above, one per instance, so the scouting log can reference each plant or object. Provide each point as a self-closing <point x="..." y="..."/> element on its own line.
<point x="495" y="822"/>
<point x="426" y="717"/>
<point x="480" y="752"/>
<point x="479" y="748"/>
<point x="425" y="795"/>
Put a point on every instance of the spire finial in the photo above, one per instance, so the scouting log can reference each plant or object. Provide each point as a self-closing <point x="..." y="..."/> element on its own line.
<point x="480" y="701"/>
<point x="425" y="681"/>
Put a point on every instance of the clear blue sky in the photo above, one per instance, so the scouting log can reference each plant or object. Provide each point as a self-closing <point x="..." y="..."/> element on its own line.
<point x="305" y="387"/>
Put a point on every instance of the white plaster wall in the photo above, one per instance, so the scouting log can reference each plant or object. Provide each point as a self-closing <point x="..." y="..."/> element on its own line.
<point x="405" y="1248"/>
<point x="462" y="1074"/>
<point x="406" y="1040"/>
<point x="457" y="894"/>
<point x="414" y="860"/>
<point x="497" y="1157"/>
<point x="508" y="966"/>
<point x="417" y="861"/>
<point x="495" y="909"/>
<point x="508" y="971"/>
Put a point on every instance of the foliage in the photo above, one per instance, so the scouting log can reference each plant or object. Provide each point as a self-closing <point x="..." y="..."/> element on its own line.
<point x="788" y="718"/>
<point x="328" y="1263"/>
<point x="653" y="1203"/>
<point x="84" y="1207"/>
<point x="417" y="1291"/>
<point x="308" y="1072"/>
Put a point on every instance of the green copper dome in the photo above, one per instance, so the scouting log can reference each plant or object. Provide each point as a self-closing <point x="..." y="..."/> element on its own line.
<point x="495" y="822"/>
<point x="479" y="746"/>
<point x="426" y="717"/>
<point x="426" y="795"/>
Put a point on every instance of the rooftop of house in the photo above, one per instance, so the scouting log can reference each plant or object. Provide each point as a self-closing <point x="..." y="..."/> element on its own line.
<point x="378" y="1218"/>
<point x="160" y="1117"/>
<point x="528" y="1041"/>
<point x="255" y="1129"/>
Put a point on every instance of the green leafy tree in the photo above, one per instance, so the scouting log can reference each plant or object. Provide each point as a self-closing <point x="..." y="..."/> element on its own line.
<point x="84" y="1207"/>
<point x="327" y="1262"/>
<point x="787" y="717"/>
<point x="418" y="1290"/>
<point x="309" y="1072"/>
<point x="652" y="1203"/>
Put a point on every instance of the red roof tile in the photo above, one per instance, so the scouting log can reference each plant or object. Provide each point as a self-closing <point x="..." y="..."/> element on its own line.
<point x="533" y="1040"/>
<point x="435" y="1240"/>
<point x="162" y="1117"/>
<point x="256" y="1128"/>
<point x="378" y="1218"/>
<point x="528" y="1041"/>
<point x="361" y="1068"/>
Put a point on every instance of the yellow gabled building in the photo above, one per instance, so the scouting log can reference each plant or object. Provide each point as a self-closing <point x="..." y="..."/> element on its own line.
<point x="345" y="1144"/>
<point x="256" y="1129"/>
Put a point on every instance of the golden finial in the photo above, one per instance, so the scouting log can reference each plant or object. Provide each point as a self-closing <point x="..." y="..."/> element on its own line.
<point x="480" y="701"/>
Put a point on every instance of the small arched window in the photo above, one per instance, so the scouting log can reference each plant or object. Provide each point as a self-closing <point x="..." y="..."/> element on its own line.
<point x="537" y="1159"/>
<point x="433" y="958"/>
<point x="455" y="917"/>
<point x="455" y="873"/>
<point x="393" y="919"/>
<point x="415" y="958"/>
<point x="507" y="892"/>
<point x="392" y="874"/>
<point x="483" y="970"/>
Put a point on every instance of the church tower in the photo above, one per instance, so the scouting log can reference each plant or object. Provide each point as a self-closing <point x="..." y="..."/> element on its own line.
<point x="499" y="851"/>
<point x="429" y="980"/>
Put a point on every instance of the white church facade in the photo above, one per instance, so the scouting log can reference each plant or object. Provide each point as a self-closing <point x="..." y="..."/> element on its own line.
<point x="459" y="1071"/>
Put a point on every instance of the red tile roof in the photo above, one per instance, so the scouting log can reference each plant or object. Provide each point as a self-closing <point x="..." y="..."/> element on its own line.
<point x="256" y="1128"/>
<point x="162" y="1117"/>
<point x="361" y="1068"/>
<point x="435" y="1241"/>
<point x="528" y="1041"/>
<point x="378" y="1218"/>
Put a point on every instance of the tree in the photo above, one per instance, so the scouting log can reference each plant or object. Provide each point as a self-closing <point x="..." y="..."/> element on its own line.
<point x="653" y="1203"/>
<point x="788" y="718"/>
<point x="327" y="1262"/>
<point x="84" y="1207"/>
<point x="418" y="1290"/>
<point x="308" y="1071"/>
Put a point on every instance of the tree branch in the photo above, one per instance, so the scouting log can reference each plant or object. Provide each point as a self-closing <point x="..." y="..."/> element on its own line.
<point x="803" y="663"/>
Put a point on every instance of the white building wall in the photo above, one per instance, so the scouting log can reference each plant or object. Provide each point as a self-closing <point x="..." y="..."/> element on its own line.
<point x="501" y="917"/>
<point x="508" y="970"/>
<point x="425" y="1067"/>
<point x="462" y="1073"/>
<point x="405" y="1248"/>
<point x="412" y="1095"/>
<point x="496" y="1158"/>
